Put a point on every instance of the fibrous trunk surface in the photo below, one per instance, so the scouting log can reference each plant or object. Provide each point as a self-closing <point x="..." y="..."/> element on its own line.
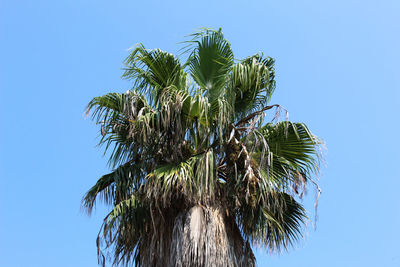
<point x="199" y="237"/>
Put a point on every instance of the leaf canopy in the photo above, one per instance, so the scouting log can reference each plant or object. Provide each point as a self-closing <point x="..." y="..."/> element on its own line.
<point x="193" y="135"/>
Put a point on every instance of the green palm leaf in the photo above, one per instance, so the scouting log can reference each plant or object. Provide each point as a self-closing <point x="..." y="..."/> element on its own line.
<point x="295" y="153"/>
<point x="252" y="83"/>
<point x="210" y="61"/>
<point x="154" y="71"/>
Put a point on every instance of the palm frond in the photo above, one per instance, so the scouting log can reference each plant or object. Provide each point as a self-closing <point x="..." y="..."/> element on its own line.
<point x="252" y="82"/>
<point x="210" y="61"/>
<point x="122" y="231"/>
<point x="114" y="112"/>
<point x="103" y="187"/>
<point x="114" y="187"/>
<point x="193" y="178"/>
<point x="275" y="224"/>
<point x="295" y="153"/>
<point x="153" y="71"/>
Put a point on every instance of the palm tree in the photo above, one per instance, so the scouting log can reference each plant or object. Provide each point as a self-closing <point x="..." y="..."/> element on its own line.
<point x="198" y="176"/>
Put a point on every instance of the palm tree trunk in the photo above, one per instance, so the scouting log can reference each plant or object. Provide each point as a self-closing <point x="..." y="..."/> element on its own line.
<point x="200" y="237"/>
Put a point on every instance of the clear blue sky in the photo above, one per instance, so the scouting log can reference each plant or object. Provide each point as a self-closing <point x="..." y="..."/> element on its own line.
<point x="337" y="66"/>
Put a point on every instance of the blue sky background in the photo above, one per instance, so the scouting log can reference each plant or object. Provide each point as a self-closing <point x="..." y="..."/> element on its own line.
<point x="337" y="65"/>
